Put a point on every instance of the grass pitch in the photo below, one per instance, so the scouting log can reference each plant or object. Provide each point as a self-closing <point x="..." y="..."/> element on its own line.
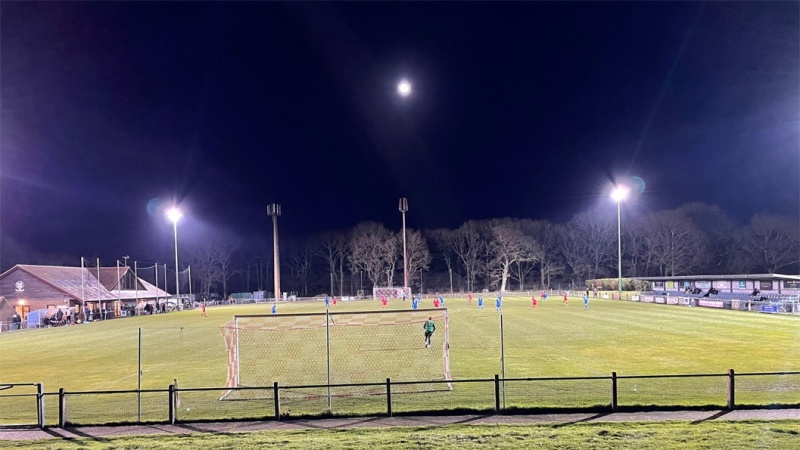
<point x="552" y="340"/>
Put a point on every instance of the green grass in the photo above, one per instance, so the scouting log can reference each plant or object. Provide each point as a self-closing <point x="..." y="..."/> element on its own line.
<point x="639" y="436"/>
<point x="554" y="340"/>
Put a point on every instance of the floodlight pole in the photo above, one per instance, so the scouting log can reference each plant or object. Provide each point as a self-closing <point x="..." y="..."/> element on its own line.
<point x="618" y="195"/>
<point x="177" y="281"/>
<point x="619" y="249"/>
<point x="174" y="215"/>
<point x="274" y="210"/>
<point x="403" y="208"/>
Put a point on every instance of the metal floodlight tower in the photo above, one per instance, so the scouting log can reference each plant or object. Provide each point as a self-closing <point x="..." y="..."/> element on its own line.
<point x="274" y="210"/>
<point x="618" y="195"/>
<point x="403" y="208"/>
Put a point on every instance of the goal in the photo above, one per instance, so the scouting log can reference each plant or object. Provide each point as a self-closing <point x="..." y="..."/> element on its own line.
<point x="390" y="292"/>
<point x="337" y="348"/>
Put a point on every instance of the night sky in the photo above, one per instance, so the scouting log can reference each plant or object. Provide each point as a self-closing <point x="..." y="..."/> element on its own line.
<point x="112" y="110"/>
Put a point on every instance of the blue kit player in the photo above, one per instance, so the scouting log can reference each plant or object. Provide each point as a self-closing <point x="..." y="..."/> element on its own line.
<point x="274" y="308"/>
<point x="480" y="303"/>
<point x="499" y="303"/>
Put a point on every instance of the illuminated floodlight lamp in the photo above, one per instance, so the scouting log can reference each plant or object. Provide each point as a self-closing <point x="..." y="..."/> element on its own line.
<point x="404" y="88"/>
<point x="620" y="193"/>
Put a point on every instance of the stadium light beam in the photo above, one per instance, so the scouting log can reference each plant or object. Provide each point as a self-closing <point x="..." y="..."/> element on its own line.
<point x="619" y="194"/>
<point x="174" y="215"/>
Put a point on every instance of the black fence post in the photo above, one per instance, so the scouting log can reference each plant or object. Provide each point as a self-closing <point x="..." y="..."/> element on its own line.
<point x="62" y="408"/>
<point x="731" y="389"/>
<point x="613" y="391"/>
<point x="172" y="406"/>
<point x="276" y="394"/>
<point x="389" y="396"/>
<point x="40" y="404"/>
<point x="496" y="394"/>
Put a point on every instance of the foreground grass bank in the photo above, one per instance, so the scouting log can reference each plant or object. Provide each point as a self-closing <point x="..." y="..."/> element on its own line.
<point x="639" y="436"/>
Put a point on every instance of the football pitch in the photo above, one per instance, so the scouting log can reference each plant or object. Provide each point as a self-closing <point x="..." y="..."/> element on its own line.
<point x="552" y="340"/>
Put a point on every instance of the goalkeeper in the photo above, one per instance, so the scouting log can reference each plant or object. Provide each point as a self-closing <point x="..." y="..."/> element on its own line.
<point x="429" y="328"/>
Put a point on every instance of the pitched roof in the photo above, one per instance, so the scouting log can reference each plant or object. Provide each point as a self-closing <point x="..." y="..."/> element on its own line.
<point x="78" y="282"/>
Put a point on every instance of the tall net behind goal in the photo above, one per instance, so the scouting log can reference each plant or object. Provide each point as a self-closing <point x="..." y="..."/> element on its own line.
<point x="337" y="348"/>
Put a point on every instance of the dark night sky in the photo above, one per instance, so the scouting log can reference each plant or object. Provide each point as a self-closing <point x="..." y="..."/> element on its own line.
<point x="519" y="109"/>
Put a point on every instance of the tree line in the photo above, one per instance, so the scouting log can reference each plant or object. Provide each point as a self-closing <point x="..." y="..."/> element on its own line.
<point x="494" y="254"/>
<point x="501" y="254"/>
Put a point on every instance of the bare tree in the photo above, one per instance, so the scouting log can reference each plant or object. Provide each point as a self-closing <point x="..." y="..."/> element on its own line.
<point x="634" y="245"/>
<point x="419" y="256"/>
<point x="675" y="243"/>
<point x="550" y="240"/>
<point x="210" y="256"/>
<point x="332" y="247"/>
<point x="589" y="243"/>
<point x="770" y="243"/>
<point x="508" y="245"/>
<point x="391" y="251"/>
<point x="369" y="244"/>
<point x="301" y="262"/>
<point x="469" y="246"/>
<point x="720" y="233"/>
<point x="442" y="243"/>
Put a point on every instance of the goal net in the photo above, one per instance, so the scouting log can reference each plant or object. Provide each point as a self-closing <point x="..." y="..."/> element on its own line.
<point x="390" y="292"/>
<point x="337" y="348"/>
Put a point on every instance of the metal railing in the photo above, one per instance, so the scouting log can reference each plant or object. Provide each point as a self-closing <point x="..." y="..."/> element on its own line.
<point x="493" y="395"/>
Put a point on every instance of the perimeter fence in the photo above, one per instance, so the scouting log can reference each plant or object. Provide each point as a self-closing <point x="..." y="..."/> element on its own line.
<point x="28" y="404"/>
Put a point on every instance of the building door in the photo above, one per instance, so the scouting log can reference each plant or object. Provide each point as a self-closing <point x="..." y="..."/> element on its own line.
<point x="23" y="310"/>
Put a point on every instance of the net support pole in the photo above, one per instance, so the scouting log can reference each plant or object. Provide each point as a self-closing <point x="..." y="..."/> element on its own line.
<point x="139" y="378"/>
<point x="389" y="397"/>
<point x="276" y="394"/>
<point x="731" y="390"/>
<point x="62" y="408"/>
<point x="328" y="353"/>
<point x="40" y="404"/>
<point x="503" y="359"/>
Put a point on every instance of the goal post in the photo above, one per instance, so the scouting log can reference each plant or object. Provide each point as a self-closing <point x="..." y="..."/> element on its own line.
<point x="337" y="348"/>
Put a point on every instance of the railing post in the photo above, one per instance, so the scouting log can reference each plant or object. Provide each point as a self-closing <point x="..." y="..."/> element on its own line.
<point x="276" y="394"/>
<point x="62" y="408"/>
<point x="496" y="394"/>
<point x="613" y="391"/>
<point x="172" y="406"/>
<point x="731" y="389"/>
<point x="40" y="404"/>
<point x="389" y="397"/>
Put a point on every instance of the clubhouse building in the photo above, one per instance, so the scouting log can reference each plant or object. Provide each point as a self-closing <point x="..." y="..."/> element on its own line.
<point x="82" y="291"/>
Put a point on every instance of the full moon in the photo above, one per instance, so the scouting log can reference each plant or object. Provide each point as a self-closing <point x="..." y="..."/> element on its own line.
<point x="404" y="88"/>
